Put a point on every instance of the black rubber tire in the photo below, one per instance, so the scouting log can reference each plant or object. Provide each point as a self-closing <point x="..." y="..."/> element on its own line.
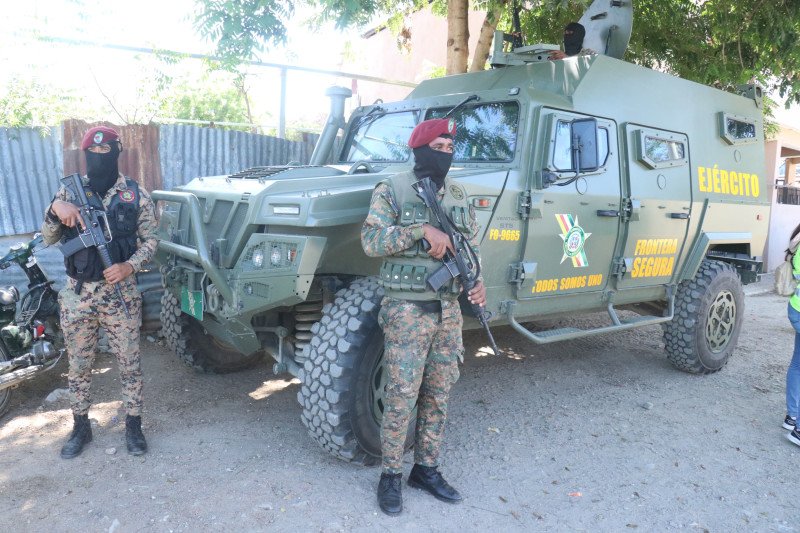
<point x="342" y="379"/>
<point x="185" y="336"/>
<point x="5" y="394"/>
<point x="709" y="310"/>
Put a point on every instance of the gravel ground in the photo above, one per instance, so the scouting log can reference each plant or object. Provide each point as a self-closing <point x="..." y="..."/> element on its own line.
<point x="600" y="434"/>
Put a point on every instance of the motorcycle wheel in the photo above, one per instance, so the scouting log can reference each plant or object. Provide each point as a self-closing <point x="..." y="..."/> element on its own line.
<point x="5" y="395"/>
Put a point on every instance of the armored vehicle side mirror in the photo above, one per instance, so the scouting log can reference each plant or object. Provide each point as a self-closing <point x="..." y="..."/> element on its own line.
<point x="584" y="145"/>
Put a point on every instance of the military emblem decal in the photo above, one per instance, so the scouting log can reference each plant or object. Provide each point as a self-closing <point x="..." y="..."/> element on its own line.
<point x="126" y="195"/>
<point x="98" y="137"/>
<point x="574" y="238"/>
<point x="457" y="193"/>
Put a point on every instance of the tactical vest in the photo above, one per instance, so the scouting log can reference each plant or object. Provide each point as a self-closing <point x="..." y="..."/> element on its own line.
<point x="404" y="274"/>
<point x="123" y="217"/>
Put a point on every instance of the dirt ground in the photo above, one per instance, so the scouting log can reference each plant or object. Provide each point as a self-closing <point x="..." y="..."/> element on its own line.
<point x="601" y="434"/>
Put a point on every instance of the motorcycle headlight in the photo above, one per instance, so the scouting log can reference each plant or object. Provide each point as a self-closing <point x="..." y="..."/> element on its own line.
<point x="9" y="295"/>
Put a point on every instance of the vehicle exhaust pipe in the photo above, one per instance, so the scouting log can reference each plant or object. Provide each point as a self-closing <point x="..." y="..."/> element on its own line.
<point x="42" y="358"/>
<point x="335" y="122"/>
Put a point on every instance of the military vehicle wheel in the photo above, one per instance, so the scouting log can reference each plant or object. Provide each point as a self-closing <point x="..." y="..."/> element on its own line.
<point x="186" y="337"/>
<point x="5" y="395"/>
<point x="343" y="378"/>
<point x="708" y="317"/>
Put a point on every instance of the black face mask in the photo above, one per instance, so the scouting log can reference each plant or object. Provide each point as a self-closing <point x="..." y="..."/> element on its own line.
<point x="573" y="42"/>
<point x="102" y="169"/>
<point x="433" y="164"/>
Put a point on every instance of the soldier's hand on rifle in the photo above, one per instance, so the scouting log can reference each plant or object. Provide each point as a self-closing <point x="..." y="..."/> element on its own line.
<point x="67" y="213"/>
<point x="478" y="294"/>
<point x="439" y="241"/>
<point x="117" y="272"/>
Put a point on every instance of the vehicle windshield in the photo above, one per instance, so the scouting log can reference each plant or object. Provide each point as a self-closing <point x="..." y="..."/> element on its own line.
<point x="380" y="137"/>
<point x="484" y="133"/>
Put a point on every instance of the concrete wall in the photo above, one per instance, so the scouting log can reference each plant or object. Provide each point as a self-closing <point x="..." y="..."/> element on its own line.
<point x="381" y="56"/>
<point x="784" y="217"/>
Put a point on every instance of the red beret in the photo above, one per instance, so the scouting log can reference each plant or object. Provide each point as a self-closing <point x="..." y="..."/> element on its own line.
<point x="98" y="135"/>
<point x="426" y="131"/>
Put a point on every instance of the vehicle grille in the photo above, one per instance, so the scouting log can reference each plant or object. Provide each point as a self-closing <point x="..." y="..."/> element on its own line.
<point x="225" y="222"/>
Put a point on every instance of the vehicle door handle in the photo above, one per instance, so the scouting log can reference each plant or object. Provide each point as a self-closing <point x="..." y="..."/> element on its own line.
<point x="679" y="215"/>
<point x="607" y="213"/>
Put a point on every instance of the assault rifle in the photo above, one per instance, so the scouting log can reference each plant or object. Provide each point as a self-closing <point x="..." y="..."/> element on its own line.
<point x="464" y="262"/>
<point x="96" y="232"/>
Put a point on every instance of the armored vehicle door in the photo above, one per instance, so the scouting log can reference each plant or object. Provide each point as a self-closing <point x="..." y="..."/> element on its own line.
<point x="657" y="206"/>
<point x="568" y="246"/>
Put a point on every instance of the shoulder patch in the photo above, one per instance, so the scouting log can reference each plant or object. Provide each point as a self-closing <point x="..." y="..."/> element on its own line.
<point x="127" y="195"/>
<point x="457" y="192"/>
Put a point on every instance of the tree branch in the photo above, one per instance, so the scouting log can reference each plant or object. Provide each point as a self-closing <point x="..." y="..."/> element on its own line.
<point x="113" y="107"/>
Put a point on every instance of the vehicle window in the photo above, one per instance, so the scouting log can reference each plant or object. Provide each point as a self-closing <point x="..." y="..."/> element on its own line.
<point x="562" y="150"/>
<point x="739" y="129"/>
<point x="486" y="132"/>
<point x="380" y="137"/>
<point x="736" y="129"/>
<point x="660" y="150"/>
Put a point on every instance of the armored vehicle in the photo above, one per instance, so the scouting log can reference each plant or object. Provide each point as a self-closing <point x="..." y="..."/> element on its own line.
<point x="598" y="184"/>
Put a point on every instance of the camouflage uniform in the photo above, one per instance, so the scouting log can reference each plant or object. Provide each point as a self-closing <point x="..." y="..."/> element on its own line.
<point x="98" y="305"/>
<point x="422" y="349"/>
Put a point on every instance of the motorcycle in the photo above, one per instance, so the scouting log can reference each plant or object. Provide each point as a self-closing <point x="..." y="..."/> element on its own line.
<point x="29" y="328"/>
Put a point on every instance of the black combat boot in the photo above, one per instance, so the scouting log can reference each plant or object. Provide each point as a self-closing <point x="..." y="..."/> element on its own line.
<point x="429" y="479"/>
<point x="133" y="435"/>
<point x="390" y="497"/>
<point x="81" y="435"/>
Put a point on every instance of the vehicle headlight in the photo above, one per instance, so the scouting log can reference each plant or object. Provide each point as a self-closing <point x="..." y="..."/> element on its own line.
<point x="276" y="256"/>
<point x="258" y="258"/>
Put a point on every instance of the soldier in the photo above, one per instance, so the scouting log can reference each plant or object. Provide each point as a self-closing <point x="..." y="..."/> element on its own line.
<point x="574" y="32"/>
<point x="88" y="300"/>
<point x="422" y="327"/>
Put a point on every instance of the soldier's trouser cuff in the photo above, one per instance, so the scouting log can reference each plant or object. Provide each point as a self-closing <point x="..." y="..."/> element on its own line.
<point x="79" y="399"/>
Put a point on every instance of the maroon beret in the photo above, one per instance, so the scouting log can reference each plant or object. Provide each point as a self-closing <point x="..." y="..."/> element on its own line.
<point x="98" y="135"/>
<point x="426" y="131"/>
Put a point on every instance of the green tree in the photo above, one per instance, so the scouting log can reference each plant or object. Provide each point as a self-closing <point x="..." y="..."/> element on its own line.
<point x="214" y="98"/>
<point x="240" y="28"/>
<point x="715" y="42"/>
<point x="33" y="104"/>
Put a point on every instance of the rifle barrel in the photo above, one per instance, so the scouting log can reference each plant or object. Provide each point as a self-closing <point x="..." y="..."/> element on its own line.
<point x="469" y="279"/>
<point x="93" y="229"/>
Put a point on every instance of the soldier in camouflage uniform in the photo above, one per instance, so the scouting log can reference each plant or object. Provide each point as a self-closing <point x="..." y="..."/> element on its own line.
<point x="422" y="327"/>
<point x="89" y="300"/>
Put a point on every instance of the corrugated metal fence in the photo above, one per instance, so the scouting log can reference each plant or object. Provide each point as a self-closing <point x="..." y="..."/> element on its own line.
<point x="188" y="152"/>
<point x="30" y="167"/>
<point x="158" y="157"/>
<point x="139" y="158"/>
